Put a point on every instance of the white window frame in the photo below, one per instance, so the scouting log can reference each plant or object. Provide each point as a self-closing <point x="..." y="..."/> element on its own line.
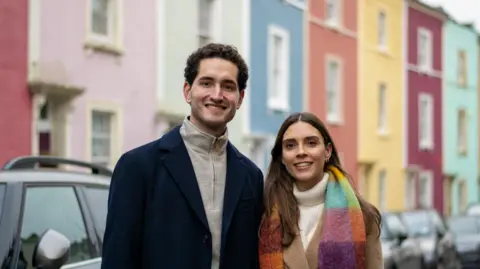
<point x="382" y="190"/>
<point x="114" y="27"/>
<point x="462" y="69"/>
<point x="427" y="66"/>
<point x="382" y="30"/>
<point x="300" y="4"/>
<point x="462" y="194"/>
<point x="426" y="142"/>
<point x="336" y="18"/>
<point x="334" y="116"/>
<point x="278" y="96"/>
<point x="382" y="109"/>
<point x="462" y="131"/>
<point x="107" y="160"/>
<point x="205" y="36"/>
<point x="411" y="190"/>
<point x="425" y="191"/>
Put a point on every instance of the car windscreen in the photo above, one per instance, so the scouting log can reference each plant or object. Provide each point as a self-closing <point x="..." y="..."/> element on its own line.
<point x="418" y="223"/>
<point x="2" y="196"/>
<point x="474" y="210"/>
<point x="464" y="225"/>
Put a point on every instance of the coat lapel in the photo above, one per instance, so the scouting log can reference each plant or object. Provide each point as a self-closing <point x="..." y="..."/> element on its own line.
<point x="233" y="188"/>
<point x="179" y="165"/>
<point x="294" y="255"/>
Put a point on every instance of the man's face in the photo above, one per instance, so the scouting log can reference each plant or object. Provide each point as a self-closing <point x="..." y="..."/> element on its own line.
<point x="214" y="96"/>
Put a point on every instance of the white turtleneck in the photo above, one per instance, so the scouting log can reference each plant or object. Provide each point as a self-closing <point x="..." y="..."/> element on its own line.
<point x="311" y="203"/>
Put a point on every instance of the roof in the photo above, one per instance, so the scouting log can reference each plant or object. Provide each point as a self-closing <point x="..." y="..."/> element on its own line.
<point x="52" y="176"/>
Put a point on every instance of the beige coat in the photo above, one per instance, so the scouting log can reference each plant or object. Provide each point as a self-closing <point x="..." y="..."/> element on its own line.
<point x="295" y="257"/>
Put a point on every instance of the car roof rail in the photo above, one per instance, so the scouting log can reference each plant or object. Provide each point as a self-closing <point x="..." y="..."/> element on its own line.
<point x="29" y="162"/>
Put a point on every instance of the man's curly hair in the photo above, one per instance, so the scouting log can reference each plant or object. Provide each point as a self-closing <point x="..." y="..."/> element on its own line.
<point x="215" y="50"/>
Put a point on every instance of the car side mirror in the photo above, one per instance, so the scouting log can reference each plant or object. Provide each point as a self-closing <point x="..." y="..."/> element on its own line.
<point x="401" y="237"/>
<point x="52" y="250"/>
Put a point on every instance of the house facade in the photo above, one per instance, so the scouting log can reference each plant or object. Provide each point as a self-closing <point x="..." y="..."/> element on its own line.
<point x="332" y="73"/>
<point x="381" y="102"/>
<point x="460" y="108"/>
<point x="181" y="28"/>
<point x="15" y="101"/>
<point x="424" y="137"/>
<point x="92" y="77"/>
<point x="276" y="57"/>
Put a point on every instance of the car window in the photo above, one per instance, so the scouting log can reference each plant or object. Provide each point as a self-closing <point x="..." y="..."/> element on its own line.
<point x="395" y="225"/>
<point x="474" y="210"/>
<point x="97" y="199"/>
<point x="417" y="223"/>
<point x="464" y="225"/>
<point x="54" y="208"/>
<point x="2" y="196"/>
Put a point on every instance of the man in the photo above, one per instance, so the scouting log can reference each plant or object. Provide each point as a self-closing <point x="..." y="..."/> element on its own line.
<point x="190" y="200"/>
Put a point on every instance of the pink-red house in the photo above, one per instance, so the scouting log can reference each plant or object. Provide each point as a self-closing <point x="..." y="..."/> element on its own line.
<point x="423" y="108"/>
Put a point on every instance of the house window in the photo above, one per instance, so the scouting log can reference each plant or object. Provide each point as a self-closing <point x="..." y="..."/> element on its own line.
<point x="462" y="69"/>
<point x="462" y="131"/>
<point x="333" y="12"/>
<point x="101" y="138"/>
<point x="333" y="92"/>
<point x="278" y="68"/>
<point x="104" y="16"/>
<point x="462" y="196"/>
<point x="258" y="151"/>
<point x="426" y="189"/>
<point x="425" y="121"/>
<point x="411" y="191"/>
<point x="382" y="192"/>
<point x="425" y="50"/>
<point x="382" y="30"/>
<point x="382" y="108"/>
<point x="205" y="25"/>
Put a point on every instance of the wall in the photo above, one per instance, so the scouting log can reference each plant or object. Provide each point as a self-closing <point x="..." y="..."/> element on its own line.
<point x="342" y="43"/>
<point x="15" y="103"/>
<point x="382" y="66"/>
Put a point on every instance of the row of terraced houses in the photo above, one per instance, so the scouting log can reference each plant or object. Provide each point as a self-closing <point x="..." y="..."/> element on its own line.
<point x="395" y="81"/>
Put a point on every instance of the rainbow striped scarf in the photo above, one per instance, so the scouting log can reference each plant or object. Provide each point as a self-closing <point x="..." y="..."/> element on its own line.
<point x="343" y="236"/>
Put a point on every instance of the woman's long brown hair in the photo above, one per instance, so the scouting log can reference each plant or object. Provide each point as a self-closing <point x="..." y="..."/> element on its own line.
<point x="279" y="183"/>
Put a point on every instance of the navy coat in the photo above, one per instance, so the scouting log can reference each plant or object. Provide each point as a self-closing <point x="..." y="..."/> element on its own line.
<point x="156" y="218"/>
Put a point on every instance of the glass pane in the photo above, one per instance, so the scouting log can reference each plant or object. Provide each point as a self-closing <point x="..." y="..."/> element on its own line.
<point x="2" y="196"/>
<point x="54" y="208"/>
<point x="97" y="199"/>
<point x="100" y="17"/>
<point x="204" y="17"/>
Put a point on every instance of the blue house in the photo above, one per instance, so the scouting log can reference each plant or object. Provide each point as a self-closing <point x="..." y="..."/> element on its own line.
<point x="460" y="126"/>
<point x="277" y="71"/>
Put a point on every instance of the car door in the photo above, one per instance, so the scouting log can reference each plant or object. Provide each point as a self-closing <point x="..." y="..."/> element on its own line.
<point x="56" y="207"/>
<point x="96" y="197"/>
<point x="408" y="257"/>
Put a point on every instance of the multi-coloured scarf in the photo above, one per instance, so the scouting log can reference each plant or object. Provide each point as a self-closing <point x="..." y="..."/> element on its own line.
<point x="343" y="236"/>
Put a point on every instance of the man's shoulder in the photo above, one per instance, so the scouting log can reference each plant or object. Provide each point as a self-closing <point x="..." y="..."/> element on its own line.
<point x="249" y="164"/>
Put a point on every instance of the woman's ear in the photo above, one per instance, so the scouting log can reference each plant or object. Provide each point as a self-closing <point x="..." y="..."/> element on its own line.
<point x="328" y="151"/>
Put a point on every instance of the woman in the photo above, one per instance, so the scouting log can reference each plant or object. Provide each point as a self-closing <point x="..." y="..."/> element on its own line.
<point x="314" y="218"/>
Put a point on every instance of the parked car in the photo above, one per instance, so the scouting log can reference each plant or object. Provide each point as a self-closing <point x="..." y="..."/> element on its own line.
<point x="473" y="209"/>
<point x="399" y="250"/>
<point x="436" y="241"/>
<point x="51" y="218"/>
<point x="467" y="236"/>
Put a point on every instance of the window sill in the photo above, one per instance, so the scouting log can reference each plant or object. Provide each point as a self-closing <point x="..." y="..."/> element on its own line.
<point x="334" y="120"/>
<point x="279" y="107"/>
<point x="104" y="47"/>
<point x="383" y="134"/>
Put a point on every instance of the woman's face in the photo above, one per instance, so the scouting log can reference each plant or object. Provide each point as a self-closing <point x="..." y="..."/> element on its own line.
<point x="304" y="154"/>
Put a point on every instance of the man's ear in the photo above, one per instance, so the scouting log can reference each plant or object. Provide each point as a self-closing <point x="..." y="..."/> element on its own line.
<point x="187" y="89"/>
<point x="240" y="98"/>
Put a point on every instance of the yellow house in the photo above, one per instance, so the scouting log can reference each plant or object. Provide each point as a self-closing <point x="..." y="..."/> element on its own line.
<point x="380" y="102"/>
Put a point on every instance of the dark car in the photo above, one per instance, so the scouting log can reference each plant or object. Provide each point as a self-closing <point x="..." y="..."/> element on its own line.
<point x="399" y="250"/>
<point x="436" y="241"/>
<point x="467" y="237"/>
<point x="51" y="218"/>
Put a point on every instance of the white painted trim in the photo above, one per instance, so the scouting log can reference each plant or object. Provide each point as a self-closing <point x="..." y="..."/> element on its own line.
<point x="340" y="29"/>
<point x="117" y="128"/>
<point x="382" y="130"/>
<point x="300" y="4"/>
<point x="419" y="70"/>
<point x="429" y="142"/>
<point x="339" y="22"/>
<point x="246" y="56"/>
<point x="282" y="102"/>
<point x="217" y="20"/>
<point x="428" y="67"/>
<point x="161" y="25"/>
<point x="405" y="86"/>
<point x="113" y="42"/>
<point x="336" y="119"/>
<point x="34" y="36"/>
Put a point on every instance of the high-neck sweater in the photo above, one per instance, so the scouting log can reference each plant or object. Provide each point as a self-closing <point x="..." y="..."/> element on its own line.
<point x="311" y="203"/>
<point x="209" y="161"/>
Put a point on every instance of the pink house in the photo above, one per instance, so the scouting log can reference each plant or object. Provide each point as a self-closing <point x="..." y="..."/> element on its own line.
<point x="92" y="77"/>
<point x="424" y="95"/>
